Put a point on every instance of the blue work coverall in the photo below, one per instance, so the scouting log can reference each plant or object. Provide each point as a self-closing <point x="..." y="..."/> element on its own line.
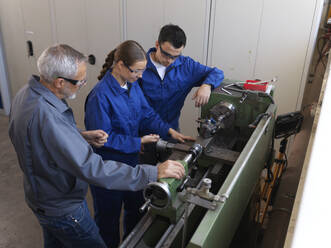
<point x="167" y="96"/>
<point x="122" y="114"/>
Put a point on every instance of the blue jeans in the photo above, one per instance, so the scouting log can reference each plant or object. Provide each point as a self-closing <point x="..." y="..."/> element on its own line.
<point x="76" y="229"/>
<point x="107" y="210"/>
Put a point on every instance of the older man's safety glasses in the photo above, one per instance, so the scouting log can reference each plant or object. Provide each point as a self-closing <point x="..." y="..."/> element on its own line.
<point x="75" y="82"/>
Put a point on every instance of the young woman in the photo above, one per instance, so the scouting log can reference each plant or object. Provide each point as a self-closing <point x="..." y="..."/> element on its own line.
<point x="118" y="106"/>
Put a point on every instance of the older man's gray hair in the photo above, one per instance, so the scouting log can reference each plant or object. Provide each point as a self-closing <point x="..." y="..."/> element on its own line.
<point x="59" y="61"/>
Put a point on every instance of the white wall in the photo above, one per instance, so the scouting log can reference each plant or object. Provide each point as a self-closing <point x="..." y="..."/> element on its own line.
<point x="262" y="39"/>
<point x="247" y="39"/>
<point x="146" y="30"/>
<point x="4" y="81"/>
<point x="94" y="29"/>
<point x="14" y="43"/>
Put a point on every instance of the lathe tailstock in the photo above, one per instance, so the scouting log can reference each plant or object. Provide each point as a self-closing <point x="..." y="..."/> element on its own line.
<point x="223" y="167"/>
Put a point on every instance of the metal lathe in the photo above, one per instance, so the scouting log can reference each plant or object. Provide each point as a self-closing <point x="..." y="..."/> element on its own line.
<point x="223" y="167"/>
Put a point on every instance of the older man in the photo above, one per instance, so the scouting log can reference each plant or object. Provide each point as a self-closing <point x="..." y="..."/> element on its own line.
<point x="56" y="157"/>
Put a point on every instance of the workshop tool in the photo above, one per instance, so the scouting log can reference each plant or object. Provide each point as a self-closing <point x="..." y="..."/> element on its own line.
<point x="223" y="166"/>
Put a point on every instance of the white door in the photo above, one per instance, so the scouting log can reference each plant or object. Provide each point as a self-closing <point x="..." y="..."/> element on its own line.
<point x="4" y="82"/>
<point x="37" y="29"/>
<point x="143" y="20"/>
<point x="262" y="39"/>
<point x="283" y="48"/>
<point x="18" y="62"/>
<point x="234" y="37"/>
<point x="93" y="28"/>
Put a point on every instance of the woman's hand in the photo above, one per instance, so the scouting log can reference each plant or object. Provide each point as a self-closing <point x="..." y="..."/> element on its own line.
<point x="150" y="138"/>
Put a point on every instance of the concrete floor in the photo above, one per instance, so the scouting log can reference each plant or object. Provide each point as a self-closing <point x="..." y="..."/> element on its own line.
<point x="18" y="226"/>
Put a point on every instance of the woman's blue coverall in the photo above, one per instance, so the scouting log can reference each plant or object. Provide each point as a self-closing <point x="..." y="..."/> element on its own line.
<point x="123" y="114"/>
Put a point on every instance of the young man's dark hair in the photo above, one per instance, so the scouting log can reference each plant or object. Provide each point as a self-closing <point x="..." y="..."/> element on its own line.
<point x="173" y="34"/>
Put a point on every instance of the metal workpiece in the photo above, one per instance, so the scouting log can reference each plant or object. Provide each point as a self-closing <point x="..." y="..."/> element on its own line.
<point x="221" y="116"/>
<point x="194" y="153"/>
<point x="163" y="145"/>
<point x="158" y="195"/>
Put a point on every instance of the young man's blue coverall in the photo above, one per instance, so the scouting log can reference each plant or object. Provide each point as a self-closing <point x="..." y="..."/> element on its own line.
<point x="167" y="96"/>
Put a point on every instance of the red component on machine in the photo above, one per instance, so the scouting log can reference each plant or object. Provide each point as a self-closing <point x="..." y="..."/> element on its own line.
<point x="255" y="85"/>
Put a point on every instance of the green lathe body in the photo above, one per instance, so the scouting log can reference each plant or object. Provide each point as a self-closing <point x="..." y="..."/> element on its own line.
<point x="233" y="159"/>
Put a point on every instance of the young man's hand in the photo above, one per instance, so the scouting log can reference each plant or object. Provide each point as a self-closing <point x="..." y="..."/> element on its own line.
<point x="95" y="138"/>
<point x="201" y="96"/>
<point x="178" y="136"/>
<point x="170" y="168"/>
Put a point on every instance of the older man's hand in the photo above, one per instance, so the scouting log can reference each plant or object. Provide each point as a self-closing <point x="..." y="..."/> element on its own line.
<point x="95" y="138"/>
<point x="170" y="168"/>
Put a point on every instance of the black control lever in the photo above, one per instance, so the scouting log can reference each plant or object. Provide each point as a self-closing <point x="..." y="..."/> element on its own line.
<point x="257" y="120"/>
<point x="182" y="185"/>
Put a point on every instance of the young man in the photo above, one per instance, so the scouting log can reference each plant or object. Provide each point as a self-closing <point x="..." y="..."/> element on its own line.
<point x="170" y="76"/>
<point x="57" y="159"/>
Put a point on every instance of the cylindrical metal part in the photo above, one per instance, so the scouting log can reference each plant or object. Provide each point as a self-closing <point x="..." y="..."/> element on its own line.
<point x="206" y="183"/>
<point x="162" y="145"/>
<point x="158" y="194"/>
<point x="188" y="158"/>
<point x="195" y="152"/>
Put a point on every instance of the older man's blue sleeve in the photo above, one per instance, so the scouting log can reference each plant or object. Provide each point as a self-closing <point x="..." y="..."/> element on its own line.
<point x="74" y="155"/>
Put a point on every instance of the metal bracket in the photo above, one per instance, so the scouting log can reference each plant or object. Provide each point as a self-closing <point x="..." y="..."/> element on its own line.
<point x="196" y="200"/>
<point x="202" y="197"/>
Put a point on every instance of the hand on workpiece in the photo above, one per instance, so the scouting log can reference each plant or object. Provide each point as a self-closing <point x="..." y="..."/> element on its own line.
<point x="95" y="138"/>
<point x="170" y="168"/>
<point x="180" y="137"/>
<point x="149" y="138"/>
<point x="201" y="96"/>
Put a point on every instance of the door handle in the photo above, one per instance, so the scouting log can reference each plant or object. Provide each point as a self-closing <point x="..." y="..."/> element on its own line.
<point x="30" y="48"/>
<point x="91" y="59"/>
